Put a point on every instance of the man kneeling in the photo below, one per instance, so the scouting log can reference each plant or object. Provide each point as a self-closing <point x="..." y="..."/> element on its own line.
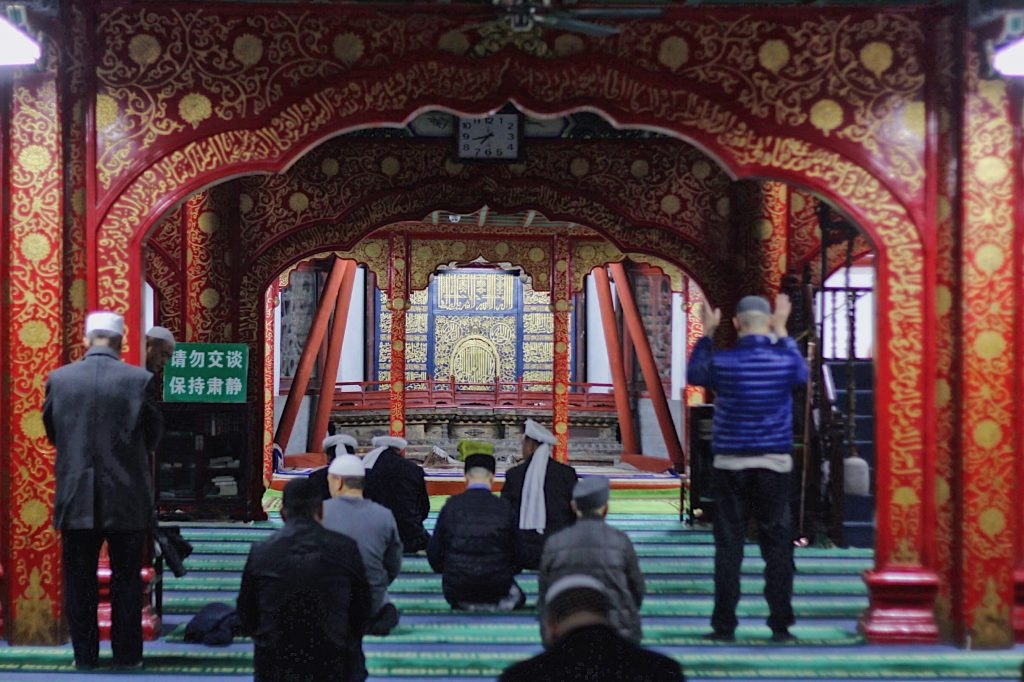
<point x="473" y="546"/>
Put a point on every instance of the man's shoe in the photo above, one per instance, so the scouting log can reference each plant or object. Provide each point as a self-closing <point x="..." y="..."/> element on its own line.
<point x="719" y="636"/>
<point x="136" y="665"/>
<point x="86" y="665"/>
<point x="783" y="636"/>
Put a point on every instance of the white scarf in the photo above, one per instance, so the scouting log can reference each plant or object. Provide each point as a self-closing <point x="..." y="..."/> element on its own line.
<point x="532" y="510"/>
<point x="370" y="458"/>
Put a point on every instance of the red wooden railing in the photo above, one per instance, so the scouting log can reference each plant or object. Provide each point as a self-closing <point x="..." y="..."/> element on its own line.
<point x="374" y="395"/>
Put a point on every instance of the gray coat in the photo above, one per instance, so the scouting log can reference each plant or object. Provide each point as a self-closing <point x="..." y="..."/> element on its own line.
<point x="373" y="528"/>
<point x="594" y="548"/>
<point x="100" y="414"/>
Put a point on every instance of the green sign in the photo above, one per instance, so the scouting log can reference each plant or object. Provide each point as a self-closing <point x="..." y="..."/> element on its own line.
<point x="206" y="373"/>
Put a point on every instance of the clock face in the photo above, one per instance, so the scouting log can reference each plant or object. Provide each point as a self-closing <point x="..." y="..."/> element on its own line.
<point x="494" y="138"/>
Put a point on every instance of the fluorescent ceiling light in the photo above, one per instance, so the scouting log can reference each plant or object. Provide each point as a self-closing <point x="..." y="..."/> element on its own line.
<point x="1009" y="59"/>
<point x="16" y="48"/>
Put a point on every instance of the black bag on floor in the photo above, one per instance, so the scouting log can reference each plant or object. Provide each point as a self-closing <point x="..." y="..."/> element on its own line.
<point x="173" y="548"/>
<point x="214" y="625"/>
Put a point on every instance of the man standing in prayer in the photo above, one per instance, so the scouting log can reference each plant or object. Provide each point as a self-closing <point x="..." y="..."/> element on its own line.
<point x="398" y="484"/>
<point x="474" y="544"/>
<point x="159" y="349"/>
<point x="752" y="442"/>
<point x="595" y="548"/>
<point x="373" y="528"/>
<point x="581" y="643"/>
<point x="101" y="416"/>
<point x="330" y="446"/>
<point x="304" y="598"/>
<point x="540" y="491"/>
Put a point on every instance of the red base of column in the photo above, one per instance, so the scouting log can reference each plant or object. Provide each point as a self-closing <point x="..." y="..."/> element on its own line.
<point x="152" y="623"/>
<point x="1018" y="605"/>
<point x="902" y="607"/>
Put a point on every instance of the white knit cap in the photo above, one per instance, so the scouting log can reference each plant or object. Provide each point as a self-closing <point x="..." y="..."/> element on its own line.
<point x="390" y="442"/>
<point x="574" y="582"/>
<point x="104" y="321"/>
<point x="538" y="433"/>
<point x="347" y="466"/>
<point x="162" y="334"/>
<point x="340" y="439"/>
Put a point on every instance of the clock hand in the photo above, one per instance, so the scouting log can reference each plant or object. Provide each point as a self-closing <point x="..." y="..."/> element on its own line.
<point x="484" y="137"/>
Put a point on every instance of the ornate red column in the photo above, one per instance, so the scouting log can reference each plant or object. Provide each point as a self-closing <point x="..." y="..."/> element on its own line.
<point x="561" y="306"/>
<point x="32" y="252"/>
<point x="398" y="297"/>
<point x="270" y="303"/>
<point x="1016" y="95"/>
<point x="989" y="519"/>
<point x="209" y="269"/>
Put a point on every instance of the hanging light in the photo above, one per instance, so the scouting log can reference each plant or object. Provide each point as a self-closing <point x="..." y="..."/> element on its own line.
<point x="1009" y="59"/>
<point x="16" y="48"/>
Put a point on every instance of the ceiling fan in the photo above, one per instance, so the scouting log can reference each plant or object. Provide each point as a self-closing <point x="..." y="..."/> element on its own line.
<point x="523" y="15"/>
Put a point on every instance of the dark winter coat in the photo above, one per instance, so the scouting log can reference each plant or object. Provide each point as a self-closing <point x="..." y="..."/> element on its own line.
<point x="399" y="484"/>
<point x="595" y="653"/>
<point x="100" y="415"/>
<point x="753" y="384"/>
<point x="473" y="547"/>
<point x="559" y="480"/>
<point x="305" y="602"/>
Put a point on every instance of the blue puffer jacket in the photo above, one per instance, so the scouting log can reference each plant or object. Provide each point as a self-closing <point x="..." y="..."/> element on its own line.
<point x="753" y="385"/>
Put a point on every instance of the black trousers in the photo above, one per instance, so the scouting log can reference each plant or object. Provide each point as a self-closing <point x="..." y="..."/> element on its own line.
<point x="763" y="494"/>
<point x="81" y="552"/>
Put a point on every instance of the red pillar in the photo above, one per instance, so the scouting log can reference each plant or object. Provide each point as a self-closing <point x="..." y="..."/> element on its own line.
<point x="305" y="368"/>
<point x="647" y="365"/>
<point x="326" y="399"/>
<point x="398" y="296"/>
<point x="1016" y="93"/>
<point x="561" y="303"/>
<point x="630" y="444"/>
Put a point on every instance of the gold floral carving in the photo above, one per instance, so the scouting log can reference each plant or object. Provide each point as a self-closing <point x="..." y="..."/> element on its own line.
<point x="988" y="404"/>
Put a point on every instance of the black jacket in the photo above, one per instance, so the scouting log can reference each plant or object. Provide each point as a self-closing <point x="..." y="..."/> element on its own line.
<point x="399" y="485"/>
<point x="100" y="415"/>
<point x="559" y="480"/>
<point x="473" y="547"/>
<point x="305" y="601"/>
<point x="595" y="653"/>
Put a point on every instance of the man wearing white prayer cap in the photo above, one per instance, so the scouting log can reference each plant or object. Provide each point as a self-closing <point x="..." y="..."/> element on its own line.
<point x="159" y="348"/>
<point x="398" y="484"/>
<point x="331" y="445"/>
<point x="100" y="415"/>
<point x="540" y="491"/>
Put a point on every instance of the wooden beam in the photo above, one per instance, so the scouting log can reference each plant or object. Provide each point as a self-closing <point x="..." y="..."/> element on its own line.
<point x="631" y="316"/>
<point x="630" y="444"/>
<point x="306" y="361"/>
<point x="342" y="304"/>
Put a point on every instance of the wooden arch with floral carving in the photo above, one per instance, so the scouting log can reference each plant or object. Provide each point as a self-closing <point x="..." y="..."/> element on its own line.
<point x="754" y="89"/>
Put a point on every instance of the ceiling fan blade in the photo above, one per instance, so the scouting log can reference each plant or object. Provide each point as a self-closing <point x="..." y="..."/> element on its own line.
<point x="568" y="23"/>
<point x="618" y="13"/>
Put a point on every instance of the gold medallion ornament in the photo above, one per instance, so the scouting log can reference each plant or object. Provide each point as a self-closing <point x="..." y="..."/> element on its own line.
<point x="988" y="258"/>
<point x="701" y="170"/>
<point x="195" y="108"/>
<point x="763" y="228"/>
<point x="992" y="170"/>
<point x="674" y="52"/>
<point x="34" y="514"/>
<point x="32" y="424"/>
<point x="329" y="167"/>
<point x="989" y="345"/>
<point x="670" y="204"/>
<point x="106" y="112"/>
<point x="987" y="433"/>
<point x="579" y="167"/>
<point x="397" y="425"/>
<point x="639" y="169"/>
<point x="992" y="522"/>
<point x="245" y="203"/>
<point x="248" y="49"/>
<point x="826" y="115"/>
<point x="35" y="158"/>
<point x="390" y="166"/>
<point x="208" y="222"/>
<point x="34" y="334"/>
<point x="876" y="58"/>
<point x="348" y="48"/>
<point x="454" y="42"/>
<point x="298" y="202"/>
<point x="536" y="254"/>
<point x="209" y="298"/>
<point x="773" y="55"/>
<point x="568" y="44"/>
<point x="35" y="247"/>
<point x="144" y="50"/>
